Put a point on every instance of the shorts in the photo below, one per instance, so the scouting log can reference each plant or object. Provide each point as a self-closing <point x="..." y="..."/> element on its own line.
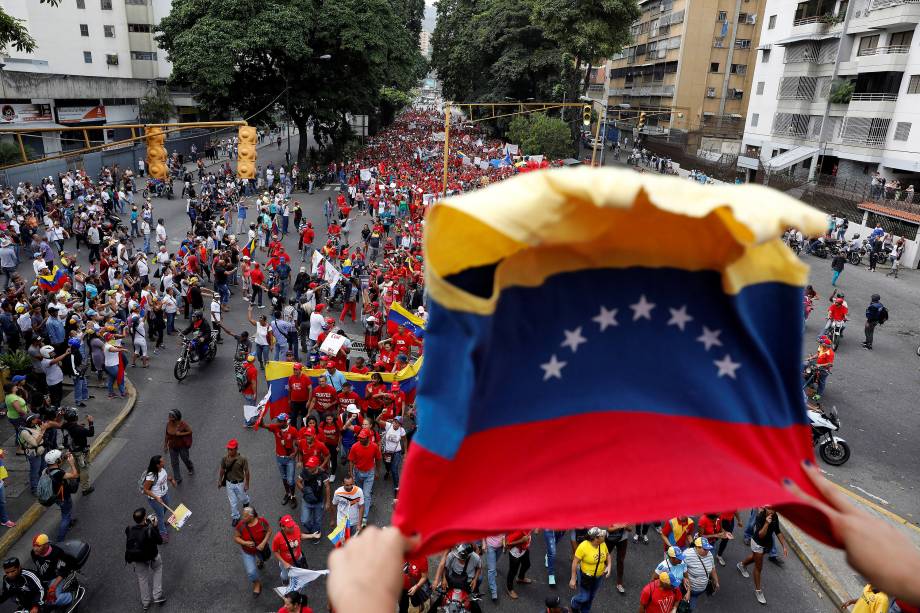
<point x="755" y="548"/>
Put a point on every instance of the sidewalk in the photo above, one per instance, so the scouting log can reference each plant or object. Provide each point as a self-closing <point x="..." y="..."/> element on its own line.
<point x="828" y="565"/>
<point x="108" y="414"/>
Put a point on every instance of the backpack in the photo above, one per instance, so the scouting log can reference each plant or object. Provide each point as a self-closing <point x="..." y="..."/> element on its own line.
<point x="241" y="379"/>
<point x="134" y="546"/>
<point x="45" y="489"/>
<point x="882" y="315"/>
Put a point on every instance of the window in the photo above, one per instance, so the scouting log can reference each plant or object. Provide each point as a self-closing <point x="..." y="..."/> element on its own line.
<point x="737" y="94"/>
<point x="144" y="55"/>
<point x="739" y="69"/>
<point x="105" y="5"/>
<point x="714" y="67"/>
<point x="742" y="17"/>
<point x="722" y="16"/>
<point x="913" y="86"/>
<point x="81" y="4"/>
<point x="772" y="23"/>
<point x="84" y="29"/>
<point x="867" y="45"/>
<point x="109" y="31"/>
<point x="755" y="119"/>
<point x="901" y="39"/>
<point x="140" y="27"/>
<point x="136" y="2"/>
<point x="760" y="86"/>
<point x="710" y="92"/>
<point x="87" y="57"/>
<point x="902" y="130"/>
<point x="111" y="59"/>
<point x="718" y="43"/>
<point x="743" y="43"/>
<point x="765" y="58"/>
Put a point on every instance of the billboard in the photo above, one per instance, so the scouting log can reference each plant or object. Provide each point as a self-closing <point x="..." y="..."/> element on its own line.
<point x="24" y="113"/>
<point x="80" y="114"/>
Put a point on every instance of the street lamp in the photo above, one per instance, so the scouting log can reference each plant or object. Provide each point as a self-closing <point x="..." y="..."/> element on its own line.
<point x="287" y="105"/>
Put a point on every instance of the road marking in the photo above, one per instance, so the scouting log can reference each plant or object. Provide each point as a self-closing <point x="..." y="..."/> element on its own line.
<point x="870" y="495"/>
<point x="889" y="514"/>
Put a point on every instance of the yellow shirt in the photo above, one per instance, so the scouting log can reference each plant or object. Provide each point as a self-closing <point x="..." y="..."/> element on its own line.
<point x="871" y="602"/>
<point x="588" y="554"/>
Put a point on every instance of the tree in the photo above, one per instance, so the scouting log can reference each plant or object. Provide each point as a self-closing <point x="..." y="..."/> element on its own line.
<point x="157" y="106"/>
<point x="251" y="56"/>
<point x="539" y="134"/>
<point x="13" y="32"/>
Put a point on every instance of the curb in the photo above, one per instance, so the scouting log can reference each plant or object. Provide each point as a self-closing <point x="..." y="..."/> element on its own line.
<point x="814" y="562"/>
<point x="35" y="512"/>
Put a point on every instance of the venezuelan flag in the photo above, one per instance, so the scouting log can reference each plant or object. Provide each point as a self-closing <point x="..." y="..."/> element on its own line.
<point x="399" y="316"/>
<point x="53" y="281"/>
<point x="277" y="374"/>
<point x="585" y="321"/>
<point x="341" y="534"/>
<point x="249" y="248"/>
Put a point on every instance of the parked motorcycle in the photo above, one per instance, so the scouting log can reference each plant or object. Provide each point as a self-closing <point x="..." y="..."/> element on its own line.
<point x="159" y="189"/>
<point x="856" y="250"/>
<point x="79" y="551"/>
<point x="189" y="355"/>
<point x="832" y="449"/>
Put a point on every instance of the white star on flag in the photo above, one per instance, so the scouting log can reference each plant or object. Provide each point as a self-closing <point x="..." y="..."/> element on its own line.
<point x="642" y="309"/>
<point x="679" y="317"/>
<point x="606" y="318"/>
<point x="726" y="366"/>
<point x="710" y="338"/>
<point x="573" y="339"/>
<point x="553" y="368"/>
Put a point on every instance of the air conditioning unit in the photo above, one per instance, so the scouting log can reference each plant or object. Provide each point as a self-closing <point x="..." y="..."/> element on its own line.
<point x="111" y="60"/>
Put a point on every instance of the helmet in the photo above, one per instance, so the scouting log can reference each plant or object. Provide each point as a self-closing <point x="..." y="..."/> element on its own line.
<point x="464" y="550"/>
<point x="595" y="532"/>
<point x="46" y="351"/>
<point x="70" y="414"/>
<point x="175" y="414"/>
<point x="196" y="315"/>
<point x="74" y="342"/>
<point x="838" y="300"/>
<point x="53" y="456"/>
<point x="823" y="340"/>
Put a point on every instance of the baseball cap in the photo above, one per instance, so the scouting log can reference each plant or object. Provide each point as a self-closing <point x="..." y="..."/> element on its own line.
<point x="675" y="552"/>
<point x="287" y="522"/>
<point x="663" y="577"/>
<point x="40" y="540"/>
<point x="309" y="432"/>
<point x="282" y="417"/>
<point x="394" y="385"/>
<point x="552" y="602"/>
<point x="329" y="363"/>
<point x="319" y="308"/>
<point x="18" y="378"/>
<point x="232" y="444"/>
<point x="313" y="462"/>
<point x="365" y="433"/>
<point x="703" y="542"/>
<point x="352" y="408"/>
<point x="250" y="358"/>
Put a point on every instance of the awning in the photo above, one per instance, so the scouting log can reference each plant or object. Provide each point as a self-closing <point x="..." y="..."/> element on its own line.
<point x="787" y="159"/>
<point x="806" y="37"/>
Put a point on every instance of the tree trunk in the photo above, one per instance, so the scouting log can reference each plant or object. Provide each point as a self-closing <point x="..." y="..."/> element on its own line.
<point x="302" y="141"/>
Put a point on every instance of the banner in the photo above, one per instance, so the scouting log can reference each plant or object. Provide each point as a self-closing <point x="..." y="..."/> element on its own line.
<point x="24" y="113"/>
<point x="365" y="174"/>
<point x="331" y="274"/>
<point x="80" y="114"/>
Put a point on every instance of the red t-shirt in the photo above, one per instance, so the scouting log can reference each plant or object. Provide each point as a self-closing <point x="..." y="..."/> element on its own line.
<point x="404" y="342"/>
<point x="656" y="599"/>
<point x="361" y="371"/>
<point x="307" y="235"/>
<point x="329" y="433"/>
<point x="252" y="533"/>
<point x="299" y="388"/>
<point x="707" y="526"/>
<point x="415" y="569"/>
<point x="348" y="398"/>
<point x="303" y="609"/>
<point x="257" y="276"/>
<point x="316" y="448"/>
<point x="285" y="440"/>
<point x="326" y="397"/>
<point x="388" y="358"/>
<point x="837" y="312"/>
<point x="252" y="375"/>
<point x="370" y="391"/>
<point x="364" y="456"/>
<point x="293" y="541"/>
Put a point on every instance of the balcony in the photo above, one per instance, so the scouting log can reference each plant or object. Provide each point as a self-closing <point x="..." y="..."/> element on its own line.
<point x="643" y="90"/>
<point x="893" y="49"/>
<point x="816" y="25"/>
<point x="882" y="14"/>
<point x="877" y="59"/>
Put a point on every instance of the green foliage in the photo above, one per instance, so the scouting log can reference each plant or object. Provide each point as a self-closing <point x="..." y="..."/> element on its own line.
<point x="9" y="153"/>
<point x="842" y="91"/>
<point x="157" y="106"/>
<point x="539" y="134"/>
<point x="16" y="361"/>
<point x="249" y="57"/>
<point x="492" y="49"/>
<point x="13" y="33"/>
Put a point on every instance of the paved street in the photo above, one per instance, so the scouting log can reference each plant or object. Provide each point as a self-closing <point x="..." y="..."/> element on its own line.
<point x="202" y="566"/>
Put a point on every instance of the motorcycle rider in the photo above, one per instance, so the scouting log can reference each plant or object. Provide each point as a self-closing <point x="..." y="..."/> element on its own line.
<point x="22" y="586"/>
<point x="54" y="569"/>
<point x="836" y="312"/>
<point x="202" y="334"/>
<point x="824" y="361"/>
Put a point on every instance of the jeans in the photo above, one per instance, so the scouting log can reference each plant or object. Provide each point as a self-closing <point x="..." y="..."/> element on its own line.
<point x="251" y="564"/>
<point x="224" y="292"/>
<point x="112" y="372"/>
<point x="585" y="596"/>
<point x="749" y="532"/>
<point x="238" y="498"/>
<point x="835" y="276"/>
<point x="61" y="599"/>
<point x="160" y="511"/>
<point x="66" y="507"/>
<point x="146" y="244"/>
<point x="3" y="516"/>
<point x="36" y="466"/>
<point x="549" y="536"/>
<point x="286" y="468"/>
<point x="281" y="350"/>
<point x="180" y="452"/>
<point x="170" y="323"/>
<point x="311" y="516"/>
<point x="493" y="555"/>
<point x="80" y="389"/>
<point x="262" y="354"/>
<point x="8" y="274"/>
<point x="693" y="598"/>
<point x="394" y="467"/>
<point x="365" y="480"/>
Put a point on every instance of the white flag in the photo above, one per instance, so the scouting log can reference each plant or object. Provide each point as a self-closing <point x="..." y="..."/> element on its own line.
<point x="298" y="578"/>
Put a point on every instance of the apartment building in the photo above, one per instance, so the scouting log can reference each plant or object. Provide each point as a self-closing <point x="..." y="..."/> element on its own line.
<point x="689" y="65"/>
<point x="837" y="91"/>
<point x="94" y="61"/>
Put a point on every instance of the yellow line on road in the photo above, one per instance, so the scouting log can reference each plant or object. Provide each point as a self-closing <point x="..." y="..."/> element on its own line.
<point x="889" y="514"/>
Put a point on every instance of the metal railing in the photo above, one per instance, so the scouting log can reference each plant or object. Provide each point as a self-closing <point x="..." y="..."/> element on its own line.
<point x="643" y="90"/>
<point x="823" y="19"/>
<point x="873" y="97"/>
<point x="884" y="50"/>
<point x="883" y="4"/>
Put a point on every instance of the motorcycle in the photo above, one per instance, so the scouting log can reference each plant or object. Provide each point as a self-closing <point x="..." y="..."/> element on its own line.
<point x="819" y="250"/>
<point x="811" y="372"/>
<point x="79" y="551"/>
<point x="454" y="600"/>
<point x="836" y="333"/>
<point x="856" y="251"/>
<point x="160" y="189"/>
<point x="832" y="449"/>
<point x="189" y="355"/>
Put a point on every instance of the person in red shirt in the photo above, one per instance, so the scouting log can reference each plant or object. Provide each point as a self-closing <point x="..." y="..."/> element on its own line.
<point x="518" y="545"/>
<point x="348" y="396"/>
<point x="257" y="281"/>
<point x="365" y="458"/>
<point x="415" y="575"/>
<point x="374" y="393"/>
<point x="359" y="366"/>
<point x="329" y="433"/>
<point x="250" y="392"/>
<point x="285" y="454"/>
<point x="295" y="602"/>
<point x="253" y="534"/>
<point x="394" y="401"/>
<point x="387" y="356"/>
<point x="286" y="545"/>
<point x="310" y="446"/>
<point x="299" y="388"/>
<point x="325" y="399"/>
<point x="403" y="340"/>
<point x="659" y="595"/>
<point x="678" y="531"/>
<point x="727" y="520"/>
<point x="307" y="236"/>
<point x="837" y="312"/>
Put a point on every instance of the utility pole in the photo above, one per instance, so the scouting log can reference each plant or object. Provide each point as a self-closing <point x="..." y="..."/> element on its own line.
<point x="446" y="145"/>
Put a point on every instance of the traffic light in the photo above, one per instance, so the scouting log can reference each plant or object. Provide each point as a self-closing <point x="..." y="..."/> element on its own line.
<point x="586" y="114"/>
<point x="641" y="121"/>
<point x="156" y="153"/>
<point x="246" y="153"/>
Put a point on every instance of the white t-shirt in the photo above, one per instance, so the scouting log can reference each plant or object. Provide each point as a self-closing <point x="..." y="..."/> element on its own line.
<point x="53" y="372"/>
<point x="347" y="503"/>
<point x="316" y="325"/>
<point x="160" y="485"/>
<point x="392" y="438"/>
<point x="111" y="356"/>
<point x="261" y="334"/>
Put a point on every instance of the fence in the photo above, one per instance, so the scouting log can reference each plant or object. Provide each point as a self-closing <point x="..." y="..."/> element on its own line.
<point x="724" y="170"/>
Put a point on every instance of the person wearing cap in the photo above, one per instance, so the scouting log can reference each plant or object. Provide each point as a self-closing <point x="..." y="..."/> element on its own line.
<point x="333" y="376"/>
<point x="313" y="483"/>
<point x="590" y="562"/>
<point x="53" y="568"/>
<point x="300" y="392"/>
<point x="660" y="595"/>
<point x="672" y="564"/>
<point x="701" y="570"/>
<point x="286" y="438"/>
<point x="824" y="362"/>
<point x="31" y="438"/>
<point x="287" y="546"/>
<point x="365" y="458"/>
<point x="234" y="475"/>
<point x="309" y="445"/>
<point x="59" y="480"/>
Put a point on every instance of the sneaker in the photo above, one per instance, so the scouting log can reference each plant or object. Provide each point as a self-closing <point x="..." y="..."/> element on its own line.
<point x="636" y="538"/>
<point x="645" y="539"/>
<point x="284" y="500"/>
<point x="721" y="560"/>
<point x="742" y="570"/>
<point x="777" y="560"/>
<point x="9" y="524"/>
<point x="552" y="580"/>
<point x="513" y="594"/>
<point x="620" y="588"/>
<point x="760" y="598"/>
<point x="160" y="601"/>
<point x="88" y="491"/>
